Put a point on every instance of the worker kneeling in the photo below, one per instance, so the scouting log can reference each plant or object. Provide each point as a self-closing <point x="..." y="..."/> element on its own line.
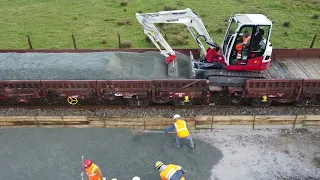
<point x="182" y="131"/>
<point x="170" y="172"/>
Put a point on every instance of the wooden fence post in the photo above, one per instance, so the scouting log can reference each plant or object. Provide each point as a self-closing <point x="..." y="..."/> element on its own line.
<point x="64" y="124"/>
<point x="212" y="122"/>
<point x="104" y="120"/>
<point x="29" y="42"/>
<point x="195" y="122"/>
<point x="74" y="42"/>
<point x="36" y="122"/>
<point x="294" y="122"/>
<point x="314" y="39"/>
<point x="119" y="41"/>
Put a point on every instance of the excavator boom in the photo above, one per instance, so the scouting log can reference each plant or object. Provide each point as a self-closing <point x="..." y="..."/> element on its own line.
<point x="187" y="17"/>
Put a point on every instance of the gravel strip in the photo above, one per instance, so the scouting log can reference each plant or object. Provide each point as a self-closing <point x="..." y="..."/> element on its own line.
<point x="88" y="66"/>
<point x="163" y="112"/>
<point x="265" y="154"/>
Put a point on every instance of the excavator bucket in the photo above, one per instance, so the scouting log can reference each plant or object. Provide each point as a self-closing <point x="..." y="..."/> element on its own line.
<point x="192" y="69"/>
<point x="173" y="70"/>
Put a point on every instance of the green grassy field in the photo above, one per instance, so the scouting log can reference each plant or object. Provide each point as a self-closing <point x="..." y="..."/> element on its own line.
<point x="95" y="23"/>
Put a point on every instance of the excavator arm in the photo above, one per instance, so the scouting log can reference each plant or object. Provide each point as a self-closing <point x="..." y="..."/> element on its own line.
<point x="187" y="17"/>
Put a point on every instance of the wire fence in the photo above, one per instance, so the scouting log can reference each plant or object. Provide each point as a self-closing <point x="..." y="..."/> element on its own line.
<point x="122" y="45"/>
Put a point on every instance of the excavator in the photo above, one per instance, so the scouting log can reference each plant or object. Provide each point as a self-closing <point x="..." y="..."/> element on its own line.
<point x="244" y="53"/>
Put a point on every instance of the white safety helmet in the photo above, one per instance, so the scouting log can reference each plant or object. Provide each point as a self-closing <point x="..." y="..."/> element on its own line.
<point x="136" y="178"/>
<point x="176" y="116"/>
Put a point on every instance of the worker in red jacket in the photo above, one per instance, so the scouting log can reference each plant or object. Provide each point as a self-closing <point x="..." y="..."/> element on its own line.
<point x="170" y="171"/>
<point x="92" y="170"/>
<point x="182" y="131"/>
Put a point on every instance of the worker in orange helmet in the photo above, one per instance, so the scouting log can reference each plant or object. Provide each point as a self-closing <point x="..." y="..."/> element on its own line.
<point x="246" y="38"/>
<point x="244" y="44"/>
<point x="170" y="171"/>
<point x="92" y="170"/>
<point x="182" y="131"/>
<point x="239" y="48"/>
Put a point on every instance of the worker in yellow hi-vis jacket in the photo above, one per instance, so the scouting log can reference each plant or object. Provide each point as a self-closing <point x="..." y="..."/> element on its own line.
<point x="182" y="131"/>
<point x="170" y="171"/>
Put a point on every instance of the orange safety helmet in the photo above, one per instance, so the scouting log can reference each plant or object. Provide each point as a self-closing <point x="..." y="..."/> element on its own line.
<point x="87" y="163"/>
<point x="239" y="47"/>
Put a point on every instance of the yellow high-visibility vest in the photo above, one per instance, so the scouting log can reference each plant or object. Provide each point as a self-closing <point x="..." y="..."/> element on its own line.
<point x="181" y="128"/>
<point x="169" y="171"/>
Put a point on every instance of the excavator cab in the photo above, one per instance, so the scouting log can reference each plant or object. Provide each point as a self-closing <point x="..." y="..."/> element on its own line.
<point x="246" y="46"/>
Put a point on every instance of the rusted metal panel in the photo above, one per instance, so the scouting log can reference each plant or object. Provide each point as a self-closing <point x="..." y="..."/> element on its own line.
<point x="20" y="89"/>
<point x="69" y="84"/>
<point x="284" y="53"/>
<point x="276" y="88"/>
<point x="78" y="88"/>
<point x="309" y="53"/>
<point x="124" y="88"/>
<point x="120" y="85"/>
<point x="296" y="53"/>
<point x="311" y="86"/>
<point x="181" y="85"/>
<point x="181" y="95"/>
<point x="23" y="84"/>
<point x="180" y="89"/>
<point x="309" y="92"/>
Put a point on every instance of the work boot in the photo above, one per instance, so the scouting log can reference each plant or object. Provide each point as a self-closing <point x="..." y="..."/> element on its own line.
<point x="194" y="146"/>
<point x="176" y="145"/>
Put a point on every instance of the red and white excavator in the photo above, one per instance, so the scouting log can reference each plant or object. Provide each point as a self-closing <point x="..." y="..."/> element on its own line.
<point x="246" y="49"/>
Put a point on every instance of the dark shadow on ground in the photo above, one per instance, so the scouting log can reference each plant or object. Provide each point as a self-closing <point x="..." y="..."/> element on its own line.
<point x="53" y="154"/>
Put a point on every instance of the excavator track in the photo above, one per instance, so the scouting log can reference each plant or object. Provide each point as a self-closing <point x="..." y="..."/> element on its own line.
<point x="231" y="78"/>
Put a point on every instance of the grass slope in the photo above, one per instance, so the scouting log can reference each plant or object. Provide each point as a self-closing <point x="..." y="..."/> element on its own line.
<point x="95" y="23"/>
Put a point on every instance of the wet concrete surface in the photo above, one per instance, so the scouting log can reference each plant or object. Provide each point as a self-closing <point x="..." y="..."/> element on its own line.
<point x="52" y="154"/>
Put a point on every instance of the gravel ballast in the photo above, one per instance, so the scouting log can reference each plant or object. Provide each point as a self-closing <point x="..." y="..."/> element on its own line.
<point x="89" y="66"/>
<point x="134" y="112"/>
<point x="53" y="154"/>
